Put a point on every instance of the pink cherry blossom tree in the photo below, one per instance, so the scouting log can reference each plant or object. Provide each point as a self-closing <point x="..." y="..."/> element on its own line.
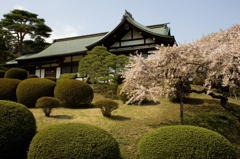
<point x="214" y="57"/>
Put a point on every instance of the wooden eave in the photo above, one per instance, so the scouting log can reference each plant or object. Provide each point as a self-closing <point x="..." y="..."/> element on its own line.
<point x="118" y="32"/>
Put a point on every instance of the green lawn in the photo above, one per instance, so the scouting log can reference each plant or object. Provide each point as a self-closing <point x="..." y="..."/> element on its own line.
<point x="129" y="123"/>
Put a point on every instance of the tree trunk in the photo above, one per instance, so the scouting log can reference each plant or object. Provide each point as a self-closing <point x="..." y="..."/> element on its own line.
<point x="88" y="78"/>
<point x="181" y="103"/>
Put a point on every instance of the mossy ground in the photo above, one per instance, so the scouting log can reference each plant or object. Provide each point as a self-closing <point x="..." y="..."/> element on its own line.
<point x="129" y="123"/>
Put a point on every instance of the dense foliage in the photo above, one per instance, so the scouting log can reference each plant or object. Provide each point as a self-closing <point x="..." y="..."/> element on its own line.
<point x="30" y="90"/>
<point x="106" y="106"/>
<point x="21" y="23"/>
<point x="16" y="73"/>
<point x="2" y="73"/>
<point x="73" y="93"/>
<point x="17" y="128"/>
<point x="47" y="104"/>
<point x="97" y="63"/>
<point x="73" y="140"/>
<point x="8" y="88"/>
<point x="184" y="142"/>
<point x="65" y="76"/>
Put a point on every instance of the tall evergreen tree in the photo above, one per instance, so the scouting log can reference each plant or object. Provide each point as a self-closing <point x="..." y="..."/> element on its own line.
<point x="21" y="23"/>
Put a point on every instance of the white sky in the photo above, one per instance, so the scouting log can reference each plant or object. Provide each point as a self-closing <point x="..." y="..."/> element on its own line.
<point x="189" y="19"/>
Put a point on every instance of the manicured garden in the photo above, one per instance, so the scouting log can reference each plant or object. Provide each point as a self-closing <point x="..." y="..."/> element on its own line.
<point x="73" y="121"/>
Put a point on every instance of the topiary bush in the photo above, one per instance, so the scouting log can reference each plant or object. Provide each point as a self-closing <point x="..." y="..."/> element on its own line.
<point x="16" y="73"/>
<point x="32" y="76"/>
<point x="184" y="142"/>
<point x="30" y="90"/>
<point x="73" y="93"/>
<point x="2" y="73"/>
<point x="17" y="128"/>
<point x="73" y="140"/>
<point x="47" y="104"/>
<point x="106" y="106"/>
<point x="65" y="76"/>
<point x="51" y="78"/>
<point x="8" y="88"/>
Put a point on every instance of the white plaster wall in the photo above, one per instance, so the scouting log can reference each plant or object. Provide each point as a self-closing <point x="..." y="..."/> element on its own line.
<point x="77" y="58"/>
<point x="133" y="42"/>
<point x="37" y="72"/>
<point x="127" y="36"/>
<point x="44" y="66"/>
<point x="58" y="72"/>
<point x="42" y="73"/>
<point x="67" y="59"/>
<point x="136" y="35"/>
<point x="116" y="44"/>
<point x="148" y="40"/>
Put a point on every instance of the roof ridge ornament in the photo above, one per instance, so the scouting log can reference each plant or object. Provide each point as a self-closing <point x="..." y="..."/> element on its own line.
<point x="127" y="14"/>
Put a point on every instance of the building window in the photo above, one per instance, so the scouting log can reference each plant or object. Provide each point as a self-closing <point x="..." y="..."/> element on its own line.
<point x="66" y="69"/>
<point x="75" y="69"/>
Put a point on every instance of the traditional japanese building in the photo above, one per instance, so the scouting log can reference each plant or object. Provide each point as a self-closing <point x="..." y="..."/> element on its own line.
<point x="64" y="54"/>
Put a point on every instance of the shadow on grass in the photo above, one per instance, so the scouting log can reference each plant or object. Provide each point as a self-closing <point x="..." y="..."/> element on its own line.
<point x="118" y="117"/>
<point x="193" y="101"/>
<point x="83" y="106"/>
<point x="61" y="117"/>
<point x="220" y="122"/>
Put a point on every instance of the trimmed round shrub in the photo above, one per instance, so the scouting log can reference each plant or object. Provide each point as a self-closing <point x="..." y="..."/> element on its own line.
<point x="73" y="140"/>
<point x="17" y="128"/>
<point x="8" y="88"/>
<point x="30" y="90"/>
<point x="175" y="96"/>
<point x="73" y="93"/>
<point x="16" y="73"/>
<point x="51" y="78"/>
<point x="2" y="73"/>
<point x="32" y="76"/>
<point x="106" y="106"/>
<point x="184" y="142"/>
<point x="47" y="104"/>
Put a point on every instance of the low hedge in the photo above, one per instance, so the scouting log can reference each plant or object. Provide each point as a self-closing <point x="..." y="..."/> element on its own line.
<point x="73" y="140"/>
<point x="8" y="88"/>
<point x="47" y="104"/>
<point x="184" y="142"/>
<point x="106" y="106"/>
<point x="17" y="128"/>
<point x="30" y="90"/>
<point x="16" y="73"/>
<point x="73" y="93"/>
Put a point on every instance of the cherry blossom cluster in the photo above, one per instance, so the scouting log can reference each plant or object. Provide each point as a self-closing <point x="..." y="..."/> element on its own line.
<point x="215" y="56"/>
